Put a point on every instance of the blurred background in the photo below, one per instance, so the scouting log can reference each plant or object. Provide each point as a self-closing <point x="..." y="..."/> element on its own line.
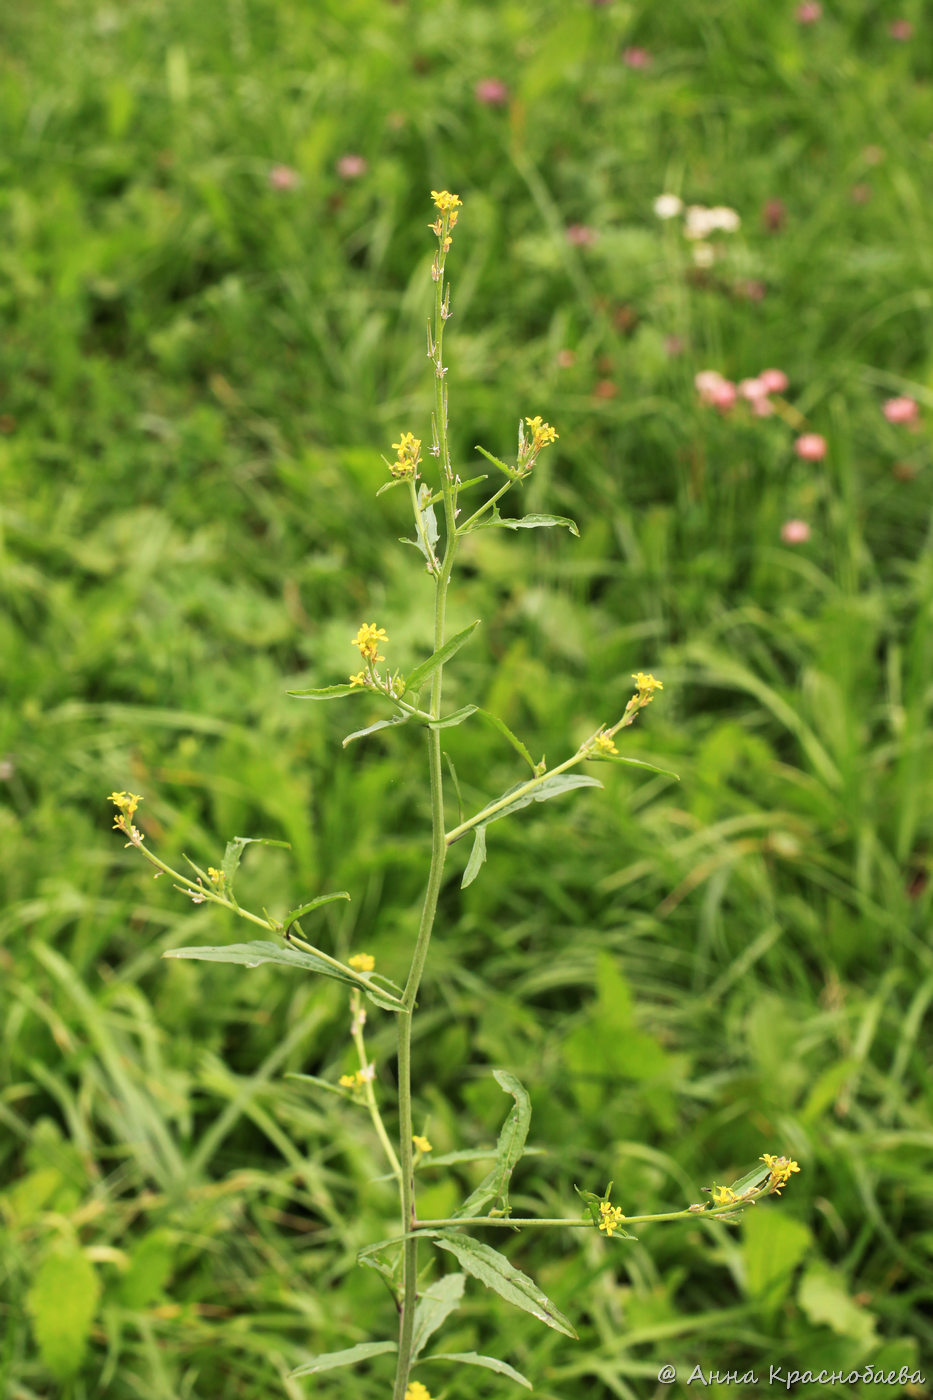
<point x="215" y="278"/>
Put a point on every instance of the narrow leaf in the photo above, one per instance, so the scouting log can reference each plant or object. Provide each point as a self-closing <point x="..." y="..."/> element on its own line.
<point x="509" y="1150"/>
<point x="372" y="728"/>
<point x="390" y="485"/>
<point x="457" y="717"/>
<point x="332" y="1359"/>
<point x="554" y="786"/>
<point x="234" y="851"/>
<point x="495" y="1271"/>
<point x="461" y="486"/>
<point x="506" y="733"/>
<point x="327" y="692"/>
<point x="510" y="472"/>
<point x="438" y="657"/>
<point x="477" y="856"/>
<point x="438" y="1302"/>
<point x="635" y="763"/>
<point x="321" y="1083"/>
<point x="254" y="954"/>
<point x="491" y="1363"/>
<point x="528" y="522"/>
<point x="481" y="1154"/>
<point x="62" y="1301"/>
<point x="294" y="914"/>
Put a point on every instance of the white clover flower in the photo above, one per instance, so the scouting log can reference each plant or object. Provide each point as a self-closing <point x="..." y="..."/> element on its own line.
<point x="668" y="206"/>
<point x="724" y="219"/>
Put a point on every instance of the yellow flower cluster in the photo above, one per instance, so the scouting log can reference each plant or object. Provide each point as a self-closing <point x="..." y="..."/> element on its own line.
<point x="646" y="683"/>
<point x="362" y="962"/>
<point x="368" y="639"/>
<point x="409" y="453"/>
<point x="603" y="743"/>
<point x="610" y="1218"/>
<point x="126" y="802"/>
<point x="217" y="877"/>
<point x="542" y="434"/>
<point x="449" y="205"/>
<point x="723" y="1196"/>
<point x="781" y="1169"/>
<point x="417" y="1391"/>
<point x="421" y="1143"/>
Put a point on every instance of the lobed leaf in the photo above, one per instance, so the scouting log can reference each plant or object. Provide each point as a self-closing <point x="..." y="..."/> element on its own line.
<point x="495" y="1271"/>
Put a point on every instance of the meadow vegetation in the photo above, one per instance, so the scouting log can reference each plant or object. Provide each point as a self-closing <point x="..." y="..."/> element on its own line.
<point x="215" y="282"/>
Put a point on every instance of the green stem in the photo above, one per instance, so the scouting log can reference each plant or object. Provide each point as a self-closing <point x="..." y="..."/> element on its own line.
<point x="356" y="1008"/>
<point x="464" y="528"/>
<point x="522" y="791"/>
<point x="574" y="1222"/>
<point x="435" y="875"/>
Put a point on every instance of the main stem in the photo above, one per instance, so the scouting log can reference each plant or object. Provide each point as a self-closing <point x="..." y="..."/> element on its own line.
<point x="435" y="874"/>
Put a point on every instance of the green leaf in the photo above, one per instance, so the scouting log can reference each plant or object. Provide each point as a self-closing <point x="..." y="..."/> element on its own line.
<point x="477" y="856"/>
<point x="234" y="851"/>
<point x="299" y="913"/>
<point x="62" y="1302"/>
<point x="823" y="1297"/>
<point x="491" y="1363"/>
<point x="438" y="657"/>
<point x="328" y="692"/>
<point x="634" y="763"/>
<point x="506" y="733"/>
<point x="481" y="1154"/>
<point x="321" y="1084"/>
<point x="510" y="472"/>
<point x="437" y="1303"/>
<point x="372" y="728"/>
<point x="528" y="522"/>
<point x="461" y="486"/>
<point x="332" y="1359"/>
<point x="456" y="717"/>
<point x="542" y="792"/>
<point x="509" y="1150"/>
<point x="773" y="1243"/>
<point x="495" y="1271"/>
<point x="254" y="954"/>
<point x="150" y="1269"/>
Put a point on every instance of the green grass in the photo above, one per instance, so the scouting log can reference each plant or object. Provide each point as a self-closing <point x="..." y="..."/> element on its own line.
<point x="197" y="378"/>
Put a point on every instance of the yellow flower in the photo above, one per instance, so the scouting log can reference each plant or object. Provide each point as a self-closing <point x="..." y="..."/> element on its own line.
<point x="362" y="962"/>
<point x="646" y="683"/>
<point x="610" y="1218"/>
<point x="368" y="639"/>
<point x="417" y="1391"/>
<point x="350" y="1081"/>
<point x="421" y="1143"/>
<point x="723" y="1196"/>
<point x="603" y="743"/>
<point x="781" y="1169"/>
<point x="542" y="433"/>
<point x="127" y="803"/>
<point x="409" y="452"/>
<point x="445" y="201"/>
<point x="360" y="678"/>
<point x="217" y="876"/>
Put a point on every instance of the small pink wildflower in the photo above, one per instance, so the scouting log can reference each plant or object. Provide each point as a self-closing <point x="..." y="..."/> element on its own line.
<point x="762" y="408"/>
<point x="352" y="166"/>
<point x="492" y="92"/>
<point x="283" y="177"/>
<point x="566" y="359"/>
<point x="901" y="29"/>
<point x="774" y="380"/>
<point x="753" y="389"/>
<point x="795" y="532"/>
<point x="714" y="389"/>
<point x="636" y="58"/>
<point x="901" y="410"/>
<point x="581" y="235"/>
<point x="809" y="12"/>
<point x="811" y="447"/>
